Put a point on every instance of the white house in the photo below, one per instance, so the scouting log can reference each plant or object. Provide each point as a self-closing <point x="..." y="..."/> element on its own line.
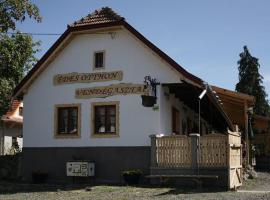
<point x="11" y="129"/>
<point x="83" y="100"/>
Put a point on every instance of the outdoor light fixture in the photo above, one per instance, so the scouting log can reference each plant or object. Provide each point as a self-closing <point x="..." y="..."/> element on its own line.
<point x="200" y="97"/>
<point x="150" y="100"/>
<point x="202" y="94"/>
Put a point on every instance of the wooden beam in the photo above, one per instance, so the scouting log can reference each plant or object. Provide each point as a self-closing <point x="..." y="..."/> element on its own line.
<point x="246" y="132"/>
<point x="231" y="93"/>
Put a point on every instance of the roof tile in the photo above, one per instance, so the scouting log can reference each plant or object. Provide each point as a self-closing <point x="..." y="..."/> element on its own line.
<point x="103" y="15"/>
<point x="15" y="104"/>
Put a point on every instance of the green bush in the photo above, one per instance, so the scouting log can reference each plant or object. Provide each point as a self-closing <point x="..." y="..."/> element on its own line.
<point x="132" y="177"/>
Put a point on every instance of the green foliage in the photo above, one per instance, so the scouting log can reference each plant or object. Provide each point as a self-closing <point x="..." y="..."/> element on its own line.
<point x="16" y="51"/>
<point x="250" y="82"/>
<point x="5" y="94"/>
<point x="16" y="59"/>
<point x="17" y="56"/>
<point x="12" y="11"/>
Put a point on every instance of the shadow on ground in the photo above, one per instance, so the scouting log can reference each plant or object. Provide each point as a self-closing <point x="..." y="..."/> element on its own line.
<point x="9" y="187"/>
<point x="176" y="191"/>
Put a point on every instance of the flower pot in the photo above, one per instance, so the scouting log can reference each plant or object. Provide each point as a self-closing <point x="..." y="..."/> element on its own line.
<point x="132" y="179"/>
<point x="148" y="101"/>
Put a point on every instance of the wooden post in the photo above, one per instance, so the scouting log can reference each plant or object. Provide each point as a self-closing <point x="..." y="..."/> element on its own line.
<point x="229" y="161"/>
<point x="246" y="132"/>
<point x="153" y="151"/>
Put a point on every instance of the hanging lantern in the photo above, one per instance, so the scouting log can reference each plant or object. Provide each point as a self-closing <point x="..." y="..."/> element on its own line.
<point x="150" y="100"/>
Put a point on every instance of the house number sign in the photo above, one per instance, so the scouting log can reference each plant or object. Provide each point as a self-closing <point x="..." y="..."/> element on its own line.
<point x="87" y="77"/>
<point x="115" y="89"/>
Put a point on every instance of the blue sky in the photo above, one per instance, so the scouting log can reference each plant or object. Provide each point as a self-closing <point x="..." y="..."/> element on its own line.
<point x="205" y="37"/>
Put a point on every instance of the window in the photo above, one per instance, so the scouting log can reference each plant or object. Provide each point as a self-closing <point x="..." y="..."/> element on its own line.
<point x="67" y="120"/>
<point x="21" y="111"/>
<point x="105" y="116"/>
<point x="99" y="60"/>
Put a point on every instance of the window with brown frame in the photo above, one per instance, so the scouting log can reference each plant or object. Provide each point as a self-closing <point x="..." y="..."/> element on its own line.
<point x="99" y="58"/>
<point x="67" y="120"/>
<point x="105" y="119"/>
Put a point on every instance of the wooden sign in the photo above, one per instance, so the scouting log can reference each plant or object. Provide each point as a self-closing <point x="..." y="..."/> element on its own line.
<point x="87" y="77"/>
<point x="115" y="89"/>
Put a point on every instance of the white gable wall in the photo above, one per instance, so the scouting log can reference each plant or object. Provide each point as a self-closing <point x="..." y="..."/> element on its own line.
<point x="122" y="53"/>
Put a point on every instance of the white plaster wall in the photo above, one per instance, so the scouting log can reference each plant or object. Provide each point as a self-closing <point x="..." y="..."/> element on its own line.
<point x="7" y="144"/>
<point x="122" y="53"/>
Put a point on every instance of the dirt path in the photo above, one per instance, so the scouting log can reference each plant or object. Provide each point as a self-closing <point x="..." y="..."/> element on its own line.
<point x="253" y="190"/>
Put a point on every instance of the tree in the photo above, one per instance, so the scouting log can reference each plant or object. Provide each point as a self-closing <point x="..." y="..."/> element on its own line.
<point x="250" y="82"/>
<point x="12" y="11"/>
<point x="17" y="50"/>
<point x="16" y="59"/>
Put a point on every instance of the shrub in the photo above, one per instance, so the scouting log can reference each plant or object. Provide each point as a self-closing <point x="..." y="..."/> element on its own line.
<point x="132" y="177"/>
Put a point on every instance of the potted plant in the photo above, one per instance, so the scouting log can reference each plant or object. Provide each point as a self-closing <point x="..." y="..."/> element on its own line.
<point x="39" y="176"/>
<point x="148" y="101"/>
<point x="132" y="177"/>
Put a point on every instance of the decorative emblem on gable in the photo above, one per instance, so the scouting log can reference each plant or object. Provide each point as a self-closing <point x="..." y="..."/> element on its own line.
<point x="75" y="77"/>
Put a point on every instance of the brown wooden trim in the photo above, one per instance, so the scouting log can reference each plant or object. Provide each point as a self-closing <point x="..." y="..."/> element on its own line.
<point x="235" y="95"/>
<point x="63" y="136"/>
<point x="117" y="123"/>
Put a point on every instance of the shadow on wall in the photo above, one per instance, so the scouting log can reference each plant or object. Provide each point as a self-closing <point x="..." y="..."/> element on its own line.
<point x="10" y="167"/>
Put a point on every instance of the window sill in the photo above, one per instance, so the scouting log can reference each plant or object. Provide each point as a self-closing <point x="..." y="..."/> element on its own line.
<point x="66" y="136"/>
<point x="98" y="68"/>
<point x="105" y="135"/>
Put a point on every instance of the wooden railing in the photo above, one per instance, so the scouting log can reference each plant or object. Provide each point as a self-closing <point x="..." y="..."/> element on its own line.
<point x="195" y="152"/>
<point x="173" y="151"/>
<point x="213" y="151"/>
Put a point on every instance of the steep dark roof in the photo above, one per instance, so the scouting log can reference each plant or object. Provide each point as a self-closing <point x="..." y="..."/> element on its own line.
<point x="103" y="15"/>
<point x="103" y="18"/>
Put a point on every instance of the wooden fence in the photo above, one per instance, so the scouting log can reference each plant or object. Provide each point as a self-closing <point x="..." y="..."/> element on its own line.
<point x="173" y="151"/>
<point x="235" y="160"/>
<point x="211" y="151"/>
